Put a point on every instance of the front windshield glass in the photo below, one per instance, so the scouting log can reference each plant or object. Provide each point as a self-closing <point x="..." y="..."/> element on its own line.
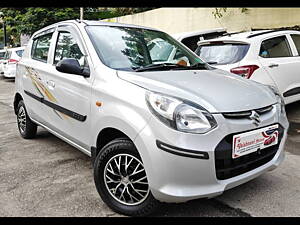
<point x="126" y="48"/>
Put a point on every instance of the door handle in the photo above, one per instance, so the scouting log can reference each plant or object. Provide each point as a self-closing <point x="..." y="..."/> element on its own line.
<point x="273" y="65"/>
<point x="50" y="83"/>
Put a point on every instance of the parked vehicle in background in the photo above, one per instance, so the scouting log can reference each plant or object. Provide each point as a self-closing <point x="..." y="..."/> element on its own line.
<point x="156" y="130"/>
<point x="158" y="48"/>
<point x="190" y="39"/>
<point x="12" y="57"/>
<point x="2" y="55"/>
<point x="269" y="57"/>
<point x="162" y="51"/>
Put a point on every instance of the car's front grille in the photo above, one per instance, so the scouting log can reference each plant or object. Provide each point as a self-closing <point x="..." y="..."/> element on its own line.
<point x="227" y="167"/>
<point x="246" y="114"/>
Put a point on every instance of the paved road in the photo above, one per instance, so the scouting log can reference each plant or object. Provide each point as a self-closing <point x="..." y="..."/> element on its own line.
<point x="47" y="177"/>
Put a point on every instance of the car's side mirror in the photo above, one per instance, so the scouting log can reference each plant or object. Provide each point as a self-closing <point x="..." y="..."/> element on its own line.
<point x="70" y="65"/>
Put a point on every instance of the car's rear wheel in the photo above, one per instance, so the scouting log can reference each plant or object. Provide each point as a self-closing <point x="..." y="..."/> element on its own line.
<point x="121" y="179"/>
<point x="27" y="128"/>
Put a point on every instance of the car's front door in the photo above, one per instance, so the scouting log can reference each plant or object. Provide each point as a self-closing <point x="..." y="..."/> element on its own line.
<point x="294" y="93"/>
<point x="69" y="113"/>
<point x="278" y="58"/>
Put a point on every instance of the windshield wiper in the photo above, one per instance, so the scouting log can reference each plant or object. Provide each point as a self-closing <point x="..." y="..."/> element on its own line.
<point x="212" y="62"/>
<point x="159" y="66"/>
<point x="199" y="66"/>
<point x="168" y="66"/>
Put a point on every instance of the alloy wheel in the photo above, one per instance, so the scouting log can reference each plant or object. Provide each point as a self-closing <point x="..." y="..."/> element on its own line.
<point x="22" y="119"/>
<point x="125" y="179"/>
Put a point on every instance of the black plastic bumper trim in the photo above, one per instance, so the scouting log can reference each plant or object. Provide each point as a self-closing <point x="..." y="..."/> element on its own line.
<point x="181" y="152"/>
<point x="63" y="110"/>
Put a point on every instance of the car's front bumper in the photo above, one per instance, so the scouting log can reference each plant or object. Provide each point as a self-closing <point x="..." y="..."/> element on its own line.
<point x="178" y="178"/>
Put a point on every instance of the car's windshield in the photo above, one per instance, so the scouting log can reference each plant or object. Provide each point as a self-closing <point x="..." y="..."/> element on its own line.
<point x="2" y="55"/>
<point x="126" y="48"/>
<point x="223" y="53"/>
<point x="7" y="55"/>
<point x="20" y="53"/>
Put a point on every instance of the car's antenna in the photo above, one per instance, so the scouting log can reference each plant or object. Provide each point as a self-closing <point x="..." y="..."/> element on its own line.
<point x="80" y="21"/>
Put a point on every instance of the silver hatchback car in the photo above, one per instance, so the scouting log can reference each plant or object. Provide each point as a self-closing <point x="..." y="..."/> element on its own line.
<point x="157" y="130"/>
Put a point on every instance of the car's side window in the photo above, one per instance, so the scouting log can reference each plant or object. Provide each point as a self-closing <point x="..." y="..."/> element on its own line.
<point x="7" y="55"/>
<point x="296" y="39"/>
<point x="275" y="47"/>
<point x="40" y="47"/>
<point x="67" y="47"/>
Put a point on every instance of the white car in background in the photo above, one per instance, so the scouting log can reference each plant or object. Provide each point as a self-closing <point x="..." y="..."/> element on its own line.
<point x="164" y="52"/>
<point x="269" y="57"/>
<point x="2" y="54"/>
<point x="190" y="39"/>
<point x="159" y="49"/>
<point x="12" y="57"/>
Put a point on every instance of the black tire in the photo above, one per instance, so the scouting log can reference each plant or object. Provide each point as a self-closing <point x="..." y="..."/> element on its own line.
<point x="114" y="149"/>
<point x="28" y="128"/>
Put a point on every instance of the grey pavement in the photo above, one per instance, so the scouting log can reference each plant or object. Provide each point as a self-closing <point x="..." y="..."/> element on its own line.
<point x="47" y="177"/>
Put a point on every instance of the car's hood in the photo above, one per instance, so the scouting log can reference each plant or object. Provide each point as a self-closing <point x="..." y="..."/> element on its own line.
<point x="226" y="67"/>
<point x="216" y="90"/>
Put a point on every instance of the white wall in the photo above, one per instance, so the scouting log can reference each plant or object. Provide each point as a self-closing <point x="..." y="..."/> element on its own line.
<point x="177" y="20"/>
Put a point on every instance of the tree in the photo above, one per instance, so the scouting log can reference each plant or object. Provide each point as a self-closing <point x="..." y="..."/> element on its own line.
<point x="28" y="20"/>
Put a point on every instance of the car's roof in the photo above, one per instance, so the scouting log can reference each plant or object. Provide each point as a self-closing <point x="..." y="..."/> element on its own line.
<point x="103" y="23"/>
<point x="198" y="32"/>
<point x="248" y="36"/>
<point x="92" y="23"/>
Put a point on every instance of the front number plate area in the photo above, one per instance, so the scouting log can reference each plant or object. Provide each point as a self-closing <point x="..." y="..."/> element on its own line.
<point x="246" y="143"/>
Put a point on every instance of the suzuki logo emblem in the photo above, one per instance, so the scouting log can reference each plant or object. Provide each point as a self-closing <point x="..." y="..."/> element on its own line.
<point x="255" y="118"/>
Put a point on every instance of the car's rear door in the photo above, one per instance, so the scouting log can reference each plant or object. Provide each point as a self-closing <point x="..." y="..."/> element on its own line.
<point x="69" y="113"/>
<point x="277" y="57"/>
<point x="33" y="69"/>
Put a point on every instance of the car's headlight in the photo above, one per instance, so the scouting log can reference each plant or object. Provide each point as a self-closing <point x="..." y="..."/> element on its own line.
<point x="180" y="114"/>
<point x="279" y="98"/>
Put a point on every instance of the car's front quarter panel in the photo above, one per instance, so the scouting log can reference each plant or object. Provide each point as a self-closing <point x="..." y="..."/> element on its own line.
<point x="123" y="106"/>
<point x="18" y="80"/>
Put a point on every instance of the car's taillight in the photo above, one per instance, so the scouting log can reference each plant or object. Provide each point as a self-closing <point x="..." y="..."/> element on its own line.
<point x="13" y="61"/>
<point x="244" y="71"/>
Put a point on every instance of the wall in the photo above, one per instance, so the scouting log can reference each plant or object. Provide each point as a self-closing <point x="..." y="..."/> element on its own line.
<point x="177" y="20"/>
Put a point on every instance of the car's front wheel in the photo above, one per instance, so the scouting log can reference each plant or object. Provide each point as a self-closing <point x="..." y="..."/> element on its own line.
<point x="121" y="179"/>
<point x="27" y="128"/>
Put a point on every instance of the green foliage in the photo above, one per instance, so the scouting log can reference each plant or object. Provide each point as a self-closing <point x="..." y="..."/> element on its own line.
<point x="29" y="20"/>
